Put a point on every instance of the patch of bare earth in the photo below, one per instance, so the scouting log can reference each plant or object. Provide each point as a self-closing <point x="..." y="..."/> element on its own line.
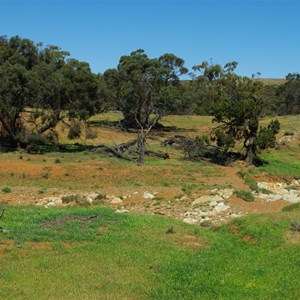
<point x="129" y="182"/>
<point x="292" y="237"/>
<point x="190" y="242"/>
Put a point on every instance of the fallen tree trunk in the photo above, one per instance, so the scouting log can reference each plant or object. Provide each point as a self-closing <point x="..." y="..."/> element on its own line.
<point x="157" y="154"/>
<point x="113" y="151"/>
<point x="119" y="150"/>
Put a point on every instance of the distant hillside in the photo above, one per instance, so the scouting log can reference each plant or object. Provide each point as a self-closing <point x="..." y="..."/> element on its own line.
<point x="267" y="81"/>
<point x="272" y="81"/>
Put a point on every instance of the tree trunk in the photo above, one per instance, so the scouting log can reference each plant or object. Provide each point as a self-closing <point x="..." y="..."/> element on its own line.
<point x="141" y="146"/>
<point x="251" y="150"/>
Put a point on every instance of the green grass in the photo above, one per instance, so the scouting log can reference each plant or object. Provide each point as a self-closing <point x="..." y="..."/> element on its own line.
<point x="281" y="163"/>
<point x="134" y="258"/>
<point x="245" y="195"/>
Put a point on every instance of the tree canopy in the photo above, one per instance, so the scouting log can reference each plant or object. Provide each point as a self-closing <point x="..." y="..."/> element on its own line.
<point x="43" y="78"/>
<point x="41" y="86"/>
<point x="145" y="88"/>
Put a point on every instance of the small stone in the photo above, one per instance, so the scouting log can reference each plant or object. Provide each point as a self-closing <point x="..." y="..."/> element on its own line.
<point x="122" y="211"/>
<point x="93" y="195"/>
<point x="291" y="198"/>
<point x="89" y="200"/>
<point x="204" y="220"/>
<point x="189" y="220"/>
<point x="226" y="193"/>
<point x="148" y="195"/>
<point x="206" y="198"/>
<point x="234" y="215"/>
<point x="50" y="204"/>
<point x="116" y="200"/>
<point x="204" y="213"/>
<point x="221" y="207"/>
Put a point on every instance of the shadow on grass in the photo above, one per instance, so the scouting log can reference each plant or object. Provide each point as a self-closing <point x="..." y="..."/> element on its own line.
<point x="63" y="148"/>
<point x="120" y="125"/>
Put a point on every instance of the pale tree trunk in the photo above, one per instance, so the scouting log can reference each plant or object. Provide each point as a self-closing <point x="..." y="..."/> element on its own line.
<point x="141" y="140"/>
<point x="251" y="150"/>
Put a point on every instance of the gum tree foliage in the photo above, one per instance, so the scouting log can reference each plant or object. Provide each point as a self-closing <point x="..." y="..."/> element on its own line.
<point x="205" y="87"/>
<point x="236" y="103"/>
<point x="39" y="87"/>
<point x="144" y="88"/>
<point x="17" y="58"/>
<point x="291" y="92"/>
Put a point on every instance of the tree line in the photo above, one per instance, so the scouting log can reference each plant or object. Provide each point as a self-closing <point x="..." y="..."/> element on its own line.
<point x="41" y="86"/>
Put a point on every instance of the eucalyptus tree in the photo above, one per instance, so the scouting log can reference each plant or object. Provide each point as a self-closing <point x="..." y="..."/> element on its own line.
<point x="17" y="89"/>
<point x="41" y="86"/>
<point x="291" y="92"/>
<point x="238" y="109"/>
<point x="143" y="89"/>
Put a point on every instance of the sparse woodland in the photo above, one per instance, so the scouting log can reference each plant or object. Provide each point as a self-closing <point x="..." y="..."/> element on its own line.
<point x="41" y="86"/>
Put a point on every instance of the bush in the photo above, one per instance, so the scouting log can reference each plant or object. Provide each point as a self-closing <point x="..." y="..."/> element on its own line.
<point x="245" y="195"/>
<point x="90" y="134"/>
<point x="74" y="131"/>
<point x="36" y="139"/>
<point x="6" y="190"/>
<point x="292" y="207"/>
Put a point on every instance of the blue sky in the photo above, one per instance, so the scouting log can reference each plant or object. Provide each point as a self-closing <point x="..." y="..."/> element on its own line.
<point x="263" y="36"/>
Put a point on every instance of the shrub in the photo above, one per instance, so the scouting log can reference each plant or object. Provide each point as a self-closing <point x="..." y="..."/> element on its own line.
<point x="251" y="183"/>
<point x="292" y="207"/>
<point x="70" y="198"/>
<point x="74" y="131"/>
<point x="45" y="175"/>
<point x="90" y="134"/>
<point x="289" y="133"/>
<point x="245" y="195"/>
<point x="6" y="190"/>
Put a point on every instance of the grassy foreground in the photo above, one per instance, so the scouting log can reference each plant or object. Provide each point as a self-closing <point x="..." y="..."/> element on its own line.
<point x="94" y="253"/>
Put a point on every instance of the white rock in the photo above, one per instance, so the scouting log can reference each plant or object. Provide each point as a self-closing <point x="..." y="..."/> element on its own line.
<point x="234" y="215"/>
<point x="188" y="213"/>
<point x="148" y="195"/>
<point x="190" y="220"/>
<point x="269" y="198"/>
<point x="221" y="207"/>
<point x="56" y="200"/>
<point x="93" y="195"/>
<point x="291" y="198"/>
<point x="50" y="204"/>
<point x="204" y="219"/>
<point x="204" y="213"/>
<point x="116" y="200"/>
<point x="296" y="182"/>
<point x="89" y="199"/>
<point x="263" y="185"/>
<point x="206" y="199"/>
<point x="295" y="192"/>
<point x="226" y="193"/>
<point x="122" y="211"/>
